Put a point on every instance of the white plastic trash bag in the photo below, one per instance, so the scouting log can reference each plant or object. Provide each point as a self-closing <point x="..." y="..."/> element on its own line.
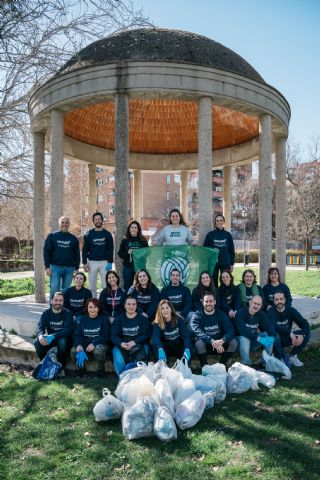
<point x="209" y="398"/>
<point x="275" y="365"/>
<point x="216" y="370"/>
<point x="253" y="374"/>
<point x="189" y="412"/>
<point x="265" y="379"/>
<point x="259" y="377"/>
<point x="164" y="395"/>
<point x="108" y="408"/>
<point x="129" y="391"/>
<point x="205" y="384"/>
<point x="239" y="380"/>
<point x="173" y="377"/>
<point x="164" y="427"/>
<point x="221" y="392"/>
<point x="135" y="372"/>
<point x="152" y="372"/>
<point x="137" y="421"/>
<point x="183" y="367"/>
<point x="185" y="390"/>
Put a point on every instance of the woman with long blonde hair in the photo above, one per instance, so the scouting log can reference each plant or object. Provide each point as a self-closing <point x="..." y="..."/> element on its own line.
<point x="170" y="336"/>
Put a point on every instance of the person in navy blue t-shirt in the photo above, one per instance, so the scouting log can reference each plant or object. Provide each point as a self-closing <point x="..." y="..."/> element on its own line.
<point x="130" y="334"/>
<point x="133" y="240"/>
<point x="146" y="293"/>
<point x="222" y="240"/>
<point x="179" y="295"/>
<point x="170" y="336"/>
<point x="228" y="295"/>
<point x="97" y="252"/>
<point x="283" y="317"/>
<point x="54" y="330"/>
<point x="205" y="285"/>
<point x="274" y="286"/>
<point x="112" y="297"/>
<point x="213" y="332"/>
<point x="92" y="335"/>
<point x="248" y="288"/>
<point x="61" y="257"/>
<point x="75" y="297"/>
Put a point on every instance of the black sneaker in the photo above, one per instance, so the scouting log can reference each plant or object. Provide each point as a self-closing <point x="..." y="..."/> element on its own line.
<point x="81" y="372"/>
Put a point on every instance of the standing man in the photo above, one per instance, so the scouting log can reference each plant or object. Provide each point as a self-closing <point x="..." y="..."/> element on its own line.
<point x="213" y="331"/>
<point x="61" y="257"/>
<point x="54" y="330"/>
<point x="282" y="317"/>
<point x="97" y="253"/>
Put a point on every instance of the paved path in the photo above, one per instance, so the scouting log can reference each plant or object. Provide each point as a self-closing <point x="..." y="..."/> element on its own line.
<point x="30" y="274"/>
<point x="22" y="313"/>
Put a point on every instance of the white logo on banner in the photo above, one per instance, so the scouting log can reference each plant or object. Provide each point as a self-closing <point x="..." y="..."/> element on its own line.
<point x="180" y="264"/>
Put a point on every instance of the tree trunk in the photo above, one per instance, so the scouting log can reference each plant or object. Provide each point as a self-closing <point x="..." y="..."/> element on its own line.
<point x="306" y="254"/>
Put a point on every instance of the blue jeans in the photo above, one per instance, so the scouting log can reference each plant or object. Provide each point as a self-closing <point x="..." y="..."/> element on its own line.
<point x="60" y="278"/>
<point x="122" y="357"/>
<point x="247" y="345"/>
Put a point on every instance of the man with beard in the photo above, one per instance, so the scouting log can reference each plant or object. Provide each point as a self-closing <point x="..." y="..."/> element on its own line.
<point x="97" y="253"/>
<point x="283" y="317"/>
<point x="213" y="332"/>
<point x="179" y="295"/>
<point x="55" y="330"/>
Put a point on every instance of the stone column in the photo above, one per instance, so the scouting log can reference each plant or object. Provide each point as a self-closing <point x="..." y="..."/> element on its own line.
<point x="92" y="189"/>
<point x="205" y="167"/>
<point x="265" y="198"/>
<point x="281" y="206"/>
<point x="57" y="174"/>
<point x="121" y="171"/>
<point x="227" y="204"/>
<point x="184" y="177"/>
<point x="137" y="195"/>
<point x="38" y="216"/>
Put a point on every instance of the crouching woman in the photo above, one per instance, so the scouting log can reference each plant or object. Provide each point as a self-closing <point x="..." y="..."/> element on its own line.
<point x="130" y="334"/>
<point x="91" y="337"/>
<point x="170" y="336"/>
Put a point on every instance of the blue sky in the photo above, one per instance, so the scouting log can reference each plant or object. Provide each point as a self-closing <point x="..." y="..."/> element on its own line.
<point x="280" y="39"/>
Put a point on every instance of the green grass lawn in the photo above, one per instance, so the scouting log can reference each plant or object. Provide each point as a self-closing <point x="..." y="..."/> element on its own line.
<point x="300" y="282"/>
<point x="48" y="431"/>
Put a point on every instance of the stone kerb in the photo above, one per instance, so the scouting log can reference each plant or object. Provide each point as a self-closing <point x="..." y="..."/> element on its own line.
<point x="159" y="80"/>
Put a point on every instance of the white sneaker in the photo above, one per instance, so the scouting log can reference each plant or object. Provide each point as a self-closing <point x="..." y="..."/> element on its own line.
<point x="294" y="360"/>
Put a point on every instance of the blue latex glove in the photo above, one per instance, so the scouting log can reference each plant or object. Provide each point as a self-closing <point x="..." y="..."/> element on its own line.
<point x="49" y="338"/>
<point x="187" y="354"/>
<point x="162" y="354"/>
<point x="266" y="341"/>
<point x="81" y="357"/>
<point x="108" y="267"/>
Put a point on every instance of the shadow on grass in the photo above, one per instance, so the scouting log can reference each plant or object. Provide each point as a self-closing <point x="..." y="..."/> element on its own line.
<point x="268" y="428"/>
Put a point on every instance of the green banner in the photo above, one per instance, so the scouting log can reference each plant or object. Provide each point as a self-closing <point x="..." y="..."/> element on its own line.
<point x="190" y="261"/>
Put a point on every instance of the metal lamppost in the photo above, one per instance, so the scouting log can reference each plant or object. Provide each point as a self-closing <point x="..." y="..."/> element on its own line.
<point x="244" y="216"/>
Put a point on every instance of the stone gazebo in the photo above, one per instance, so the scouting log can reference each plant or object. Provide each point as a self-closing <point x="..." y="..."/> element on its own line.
<point x="160" y="100"/>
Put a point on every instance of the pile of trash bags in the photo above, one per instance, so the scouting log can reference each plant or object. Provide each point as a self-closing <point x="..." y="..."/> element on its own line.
<point x="154" y="399"/>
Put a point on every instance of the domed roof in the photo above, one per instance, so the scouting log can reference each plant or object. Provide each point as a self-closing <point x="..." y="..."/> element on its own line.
<point x="161" y="45"/>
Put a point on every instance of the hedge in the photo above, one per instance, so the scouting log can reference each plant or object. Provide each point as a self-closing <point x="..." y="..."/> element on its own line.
<point x="254" y="254"/>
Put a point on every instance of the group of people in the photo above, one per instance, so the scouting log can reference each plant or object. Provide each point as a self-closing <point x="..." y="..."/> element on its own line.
<point x="139" y="321"/>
